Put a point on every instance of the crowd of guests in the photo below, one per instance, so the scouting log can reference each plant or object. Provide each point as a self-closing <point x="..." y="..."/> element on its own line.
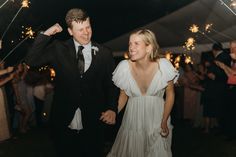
<point x="21" y="89"/>
<point x="209" y="91"/>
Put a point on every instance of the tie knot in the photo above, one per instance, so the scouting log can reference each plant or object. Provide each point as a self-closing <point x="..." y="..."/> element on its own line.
<point x="80" y="48"/>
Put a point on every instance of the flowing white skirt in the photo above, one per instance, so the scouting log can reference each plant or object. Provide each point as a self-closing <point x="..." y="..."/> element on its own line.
<point x="139" y="134"/>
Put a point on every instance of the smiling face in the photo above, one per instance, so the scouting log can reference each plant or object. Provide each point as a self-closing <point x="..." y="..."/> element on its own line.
<point x="81" y="31"/>
<point x="138" y="49"/>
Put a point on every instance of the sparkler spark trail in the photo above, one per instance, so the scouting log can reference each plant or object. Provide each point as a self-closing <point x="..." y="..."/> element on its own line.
<point x="14" y="49"/>
<point x="231" y="10"/>
<point x="30" y="33"/>
<point x="190" y="44"/>
<point x="195" y="29"/>
<point x="25" y="4"/>
<point x="209" y="28"/>
<point x="188" y="59"/>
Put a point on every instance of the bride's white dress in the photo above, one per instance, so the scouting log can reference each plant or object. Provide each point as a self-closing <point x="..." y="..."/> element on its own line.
<point x="139" y="133"/>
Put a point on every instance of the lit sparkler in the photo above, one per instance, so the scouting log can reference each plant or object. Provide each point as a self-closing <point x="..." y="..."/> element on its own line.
<point x="195" y="29"/>
<point x="188" y="59"/>
<point x="209" y="28"/>
<point x="190" y="44"/>
<point x="28" y="32"/>
<point x="24" y="4"/>
<point x="176" y="62"/>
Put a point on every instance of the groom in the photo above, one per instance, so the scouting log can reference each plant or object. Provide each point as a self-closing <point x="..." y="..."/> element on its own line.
<point x="88" y="94"/>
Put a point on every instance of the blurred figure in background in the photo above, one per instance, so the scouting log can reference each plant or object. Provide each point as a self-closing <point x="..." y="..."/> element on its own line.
<point x="217" y="89"/>
<point x="231" y="108"/>
<point x="5" y="76"/>
<point x="22" y="104"/>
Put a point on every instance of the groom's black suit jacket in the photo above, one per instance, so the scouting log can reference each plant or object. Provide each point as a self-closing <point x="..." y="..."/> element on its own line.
<point x="94" y="91"/>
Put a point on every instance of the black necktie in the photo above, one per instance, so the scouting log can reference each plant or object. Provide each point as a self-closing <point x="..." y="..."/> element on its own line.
<point x="80" y="60"/>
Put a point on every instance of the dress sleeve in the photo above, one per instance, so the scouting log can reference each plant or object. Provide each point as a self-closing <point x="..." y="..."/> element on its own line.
<point x="168" y="73"/>
<point x="120" y="75"/>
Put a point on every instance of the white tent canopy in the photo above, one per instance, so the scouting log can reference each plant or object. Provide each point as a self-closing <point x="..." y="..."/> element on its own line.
<point x="173" y="30"/>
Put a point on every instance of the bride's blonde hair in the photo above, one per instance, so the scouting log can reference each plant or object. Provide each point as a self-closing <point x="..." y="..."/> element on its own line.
<point x="149" y="38"/>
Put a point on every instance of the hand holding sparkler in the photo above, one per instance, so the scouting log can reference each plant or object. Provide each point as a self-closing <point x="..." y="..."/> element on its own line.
<point x="53" y="30"/>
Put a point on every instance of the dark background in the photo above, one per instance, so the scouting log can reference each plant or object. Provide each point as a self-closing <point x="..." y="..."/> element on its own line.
<point x="109" y="18"/>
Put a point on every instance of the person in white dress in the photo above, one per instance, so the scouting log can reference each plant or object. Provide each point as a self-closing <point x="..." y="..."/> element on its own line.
<point x="143" y="80"/>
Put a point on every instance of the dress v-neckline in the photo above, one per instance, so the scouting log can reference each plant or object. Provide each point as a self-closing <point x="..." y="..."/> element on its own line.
<point x="136" y="83"/>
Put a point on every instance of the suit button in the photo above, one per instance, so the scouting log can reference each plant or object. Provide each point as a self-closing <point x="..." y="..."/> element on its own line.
<point x="81" y="76"/>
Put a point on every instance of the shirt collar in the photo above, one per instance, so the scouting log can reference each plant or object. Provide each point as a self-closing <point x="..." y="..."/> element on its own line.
<point x="218" y="53"/>
<point x="86" y="47"/>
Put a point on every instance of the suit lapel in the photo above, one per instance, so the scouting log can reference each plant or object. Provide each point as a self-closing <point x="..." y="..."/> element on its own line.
<point x="94" y="54"/>
<point x="71" y="48"/>
<point x="71" y="56"/>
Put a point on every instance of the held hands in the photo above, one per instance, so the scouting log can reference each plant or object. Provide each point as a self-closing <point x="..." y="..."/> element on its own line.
<point x="53" y="30"/>
<point x="108" y="117"/>
<point x="164" y="129"/>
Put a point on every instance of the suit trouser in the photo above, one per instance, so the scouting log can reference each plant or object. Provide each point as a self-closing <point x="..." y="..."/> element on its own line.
<point x="84" y="144"/>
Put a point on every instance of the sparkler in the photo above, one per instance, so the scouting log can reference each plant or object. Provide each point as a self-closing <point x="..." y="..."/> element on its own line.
<point x="228" y="7"/>
<point x="24" y="4"/>
<point x="195" y="29"/>
<point x="30" y="34"/>
<point x="176" y="62"/>
<point x="188" y="59"/>
<point x="209" y="28"/>
<point x="13" y="49"/>
<point x="190" y="44"/>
